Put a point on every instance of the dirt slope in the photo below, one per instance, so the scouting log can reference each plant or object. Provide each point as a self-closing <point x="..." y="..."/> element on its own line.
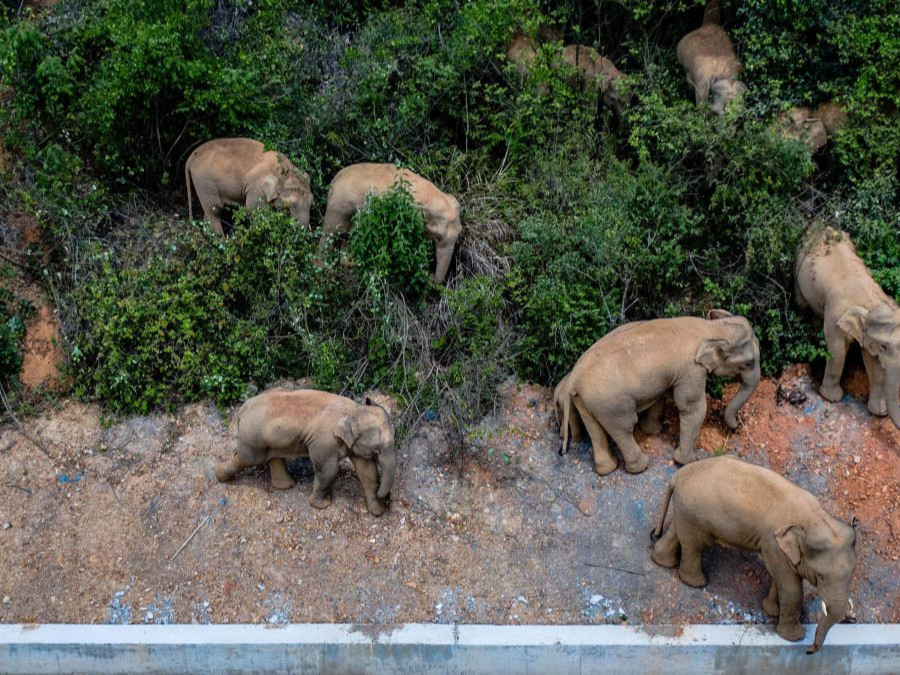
<point x="506" y="532"/>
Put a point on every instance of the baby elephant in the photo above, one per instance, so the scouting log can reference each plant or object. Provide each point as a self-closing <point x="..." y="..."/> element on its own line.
<point x="630" y="370"/>
<point x="712" y="66"/>
<point x="351" y="184"/>
<point x="730" y="502"/>
<point x="599" y="74"/>
<point x="240" y="171"/>
<point x="325" y="427"/>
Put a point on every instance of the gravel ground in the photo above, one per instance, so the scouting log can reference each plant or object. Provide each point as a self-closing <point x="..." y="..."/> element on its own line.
<point x="505" y="531"/>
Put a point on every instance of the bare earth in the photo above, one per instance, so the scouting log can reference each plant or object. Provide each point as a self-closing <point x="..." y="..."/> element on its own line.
<point x="504" y="532"/>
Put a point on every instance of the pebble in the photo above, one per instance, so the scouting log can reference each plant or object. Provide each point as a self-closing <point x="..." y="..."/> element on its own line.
<point x="857" y="459"/>
<point x="261" y="587"/>
<point x="280" y="518"/>
<point x="6" y="526"/>
<point x="6" y="600"/>
<point x="223" y="501"/>
<point x="596" y="599"/>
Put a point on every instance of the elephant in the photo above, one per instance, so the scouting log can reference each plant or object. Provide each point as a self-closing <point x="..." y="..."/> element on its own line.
<point x="237" y="171"/>
<point x="833" y="116"/>
<point x="834" y="283"/>
<point x="351" y="184"/>
<point x="803" y="124"/>
<point x="522" y="52"/>
<point x="734" y="503"/>
<point x="278" y="424"/>
<point x="712" y="66"/>
<point x="629" y="371"/>
<point x="598" y="73"/>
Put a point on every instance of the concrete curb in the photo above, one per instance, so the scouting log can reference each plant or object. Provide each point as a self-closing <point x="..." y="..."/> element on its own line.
<point x="433" y="648"/>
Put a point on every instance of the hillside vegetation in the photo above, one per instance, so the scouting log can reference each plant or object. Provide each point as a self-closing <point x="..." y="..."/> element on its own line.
<point x="575" y="220"/>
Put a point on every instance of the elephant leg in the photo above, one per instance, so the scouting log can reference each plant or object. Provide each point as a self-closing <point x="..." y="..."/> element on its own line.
<point x="770" y="602"/>
<point x="837" y="344"/>
<point x="651" y="421"/>
<point x="326" y="472"/>
<point x="281" y="479"/>
<point x="691" y="402"/>
<point x="443" y="254"/>
<point x="667" y="549"/>
<point x="787" y="588"/>
<point x="622" y="431"/>
<point x="877" y="403"/>
<point x="574" y="428"/>
<point x="690" y="571"/>
<point x="367" y="473"/>
<point x="604" y="462"/>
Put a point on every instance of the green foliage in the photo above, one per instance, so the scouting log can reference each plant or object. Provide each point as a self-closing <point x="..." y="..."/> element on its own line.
<point x="12" y="329"/>
<point x="388" y="239"/>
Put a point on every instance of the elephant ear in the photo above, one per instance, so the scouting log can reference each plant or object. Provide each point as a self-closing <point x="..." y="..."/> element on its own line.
<point x="711" y="354"/>
<point x="714" y="314"/>
<point x="346" y="430"/>
<point x="270" y="187"/>
<point x="790" y="540"/>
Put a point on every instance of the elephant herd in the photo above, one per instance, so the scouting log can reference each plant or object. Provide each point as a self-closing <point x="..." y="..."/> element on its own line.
<point x="624" y="378"/>
<point x="241" y="172"/>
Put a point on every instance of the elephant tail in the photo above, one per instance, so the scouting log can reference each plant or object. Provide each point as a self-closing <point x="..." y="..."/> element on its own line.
<point x="187" y="184"/>
<point x="657" y="533"/>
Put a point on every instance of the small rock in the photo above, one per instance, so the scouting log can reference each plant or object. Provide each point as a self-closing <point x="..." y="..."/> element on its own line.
<point x="522" y="599"/>
<point x="6" y="526"/>
<point x="280" y="518"/>
<point x="596" y="599"/>
<point x="261" y="587"/>
<point x="223" y="501"/>
<point x="857" y="459"/>
<point x="6" y="600"/>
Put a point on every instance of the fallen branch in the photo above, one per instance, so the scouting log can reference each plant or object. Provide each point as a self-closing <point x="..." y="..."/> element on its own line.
<point x="17" y="487"/>
<point x="558" y="493"/>
<point x="188" y="540"/>
<point x="617" y="569"/>
<point x="22" y="430"/>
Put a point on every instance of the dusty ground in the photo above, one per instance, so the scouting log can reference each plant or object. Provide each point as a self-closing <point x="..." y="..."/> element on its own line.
<point x="505" y="532"/>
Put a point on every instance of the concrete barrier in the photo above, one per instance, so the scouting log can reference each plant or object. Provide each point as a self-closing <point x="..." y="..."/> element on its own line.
<point x="432" y="648"/>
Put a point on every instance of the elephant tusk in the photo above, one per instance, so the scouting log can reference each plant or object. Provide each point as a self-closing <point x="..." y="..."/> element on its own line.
<point x="824" y="608"/>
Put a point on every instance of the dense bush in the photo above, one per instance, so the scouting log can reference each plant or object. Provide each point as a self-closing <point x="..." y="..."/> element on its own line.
<point x="12" y="330"/>
<point x="574" y="220"/>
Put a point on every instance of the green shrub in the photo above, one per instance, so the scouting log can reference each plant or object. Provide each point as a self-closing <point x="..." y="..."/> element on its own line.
<point x="12" y="329"/>
<point x="389" y="240"/>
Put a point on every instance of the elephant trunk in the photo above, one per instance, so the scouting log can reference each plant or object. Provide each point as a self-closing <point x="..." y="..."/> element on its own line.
<point x="891" y="387"/>
<point x="749" y="381"/>
<point x="835" y="613"/>
<point x="387" y="462"/>
<point x="300" y="213"/>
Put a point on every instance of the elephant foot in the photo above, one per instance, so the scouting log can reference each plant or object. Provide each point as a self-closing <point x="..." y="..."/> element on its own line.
<point x="284" y="482"/>
<point x="878" y="407"/>
<point x="831" y="392"/>
<point x="281" y="479"/>
<point x="376" y="507"/>
<point x="605" y="468"/>
<point x="792" y="631"/>
<point x="683" y="456"/>
<point x="667" y="559"/>
<point x="639" y="465"/>
<point x="225" y="472"/>
<point x="771" y="607"/>
<point x="651" y="427"/>
<point x="697" y="580"/>
<point x="320" y="502"/>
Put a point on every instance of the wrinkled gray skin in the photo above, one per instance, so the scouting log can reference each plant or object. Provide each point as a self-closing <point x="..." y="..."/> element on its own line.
<point x="241" y="172"/>
<point x="630" y="370"/>
<point x="733" y="503"/>
<point x="279" y="424"/>
<point x="834" y="283"/>
<point x="712" y="66"/>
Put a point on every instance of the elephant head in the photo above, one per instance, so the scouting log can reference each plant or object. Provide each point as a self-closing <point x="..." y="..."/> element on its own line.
<point x="822" y="552"/>
<point x="877" y="331"/>
<point x="368" y="433"/>
<point x="801" y="123"/>
<point x="731" y="350"/>
<point x="289" y="189"/>
<point x="723" y="92"/>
